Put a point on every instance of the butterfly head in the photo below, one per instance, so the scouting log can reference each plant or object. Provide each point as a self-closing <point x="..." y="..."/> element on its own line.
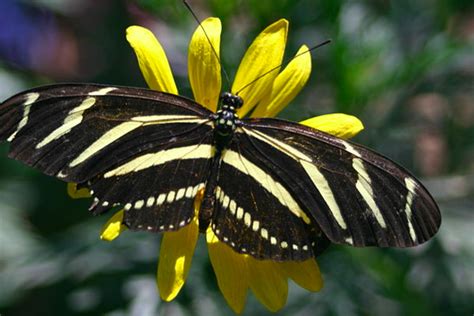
<point x="230" y="101"/>
<point x="225" y="120"/>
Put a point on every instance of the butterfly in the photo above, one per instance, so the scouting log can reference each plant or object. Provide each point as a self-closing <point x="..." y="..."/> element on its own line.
<point x="273" y="189"/>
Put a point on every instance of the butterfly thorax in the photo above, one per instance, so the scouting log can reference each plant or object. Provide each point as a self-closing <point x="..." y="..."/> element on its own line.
<point x="226" y="119"/>
<point x="225" y="123"/>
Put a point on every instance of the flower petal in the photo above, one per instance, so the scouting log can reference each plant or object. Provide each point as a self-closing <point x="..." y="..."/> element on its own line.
<point x="152" y="59"/>
<point x="337" y="124"/>
<point x="204" y="66"/>
<point x="306" y="274"/>
<point x="176" y="253"/>
<point x="77" y="194"/>
<point x="265" y="53"/>
<point x="230" y="268"/>
<point x="286" y="86"/>
<point x="114" y="227"/>
<point x="268" y="282"/>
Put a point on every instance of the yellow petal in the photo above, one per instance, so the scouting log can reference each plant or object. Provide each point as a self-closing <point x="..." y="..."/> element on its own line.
<point x="286" y="85"/>
<point x="77" y="194"/>
<point x="265" y="53"/>
<point x="337" y="124"/>
<point x="231" y="272"/>
<point x="151" y="59"/>
<point x="114" y="227"/>
<point x="305" y="273"/>
<point x="204" y="66"/>
<point x="268" y="282"/>
<point x="176" y="253"/>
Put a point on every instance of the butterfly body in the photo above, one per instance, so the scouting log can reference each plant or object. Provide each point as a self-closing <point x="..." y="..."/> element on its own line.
<point x="272" y="189"/>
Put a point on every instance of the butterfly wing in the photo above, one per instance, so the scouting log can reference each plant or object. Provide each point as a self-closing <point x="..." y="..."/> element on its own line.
<point x="145" y="150"/>
<point x="257" y="211"/>
<point x="297" y="181"/>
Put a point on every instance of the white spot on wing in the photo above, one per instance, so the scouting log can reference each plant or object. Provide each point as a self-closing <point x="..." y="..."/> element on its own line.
<point x="189" y="192"/>
<point x="170" y="197"/>
<point x="255" y="226"/>
<point x="150" y="201"/>
<point x="232" y="206"/>
<point x="139" y="204"/>
<point x="226" y="202"/>
<point x="161" y="199"/>
<point x="247" y="219"/>
<point x="240" y="213"/>
<point x="180" y="194"/>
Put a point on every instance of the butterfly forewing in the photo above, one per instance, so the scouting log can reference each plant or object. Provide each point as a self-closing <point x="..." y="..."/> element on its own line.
<point x="356" y="196"/>
<point x="66" y="130"/>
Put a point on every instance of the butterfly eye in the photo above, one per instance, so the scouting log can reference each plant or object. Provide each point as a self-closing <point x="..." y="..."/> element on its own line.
<point x="238" y="102"/>
<point x="225" y="97"/>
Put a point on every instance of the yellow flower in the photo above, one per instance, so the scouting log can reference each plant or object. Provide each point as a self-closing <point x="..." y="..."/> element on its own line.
<point x="236" y="273"/>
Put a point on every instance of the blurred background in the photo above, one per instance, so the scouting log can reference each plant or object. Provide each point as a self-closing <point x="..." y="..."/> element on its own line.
<point x="406" y="68"/>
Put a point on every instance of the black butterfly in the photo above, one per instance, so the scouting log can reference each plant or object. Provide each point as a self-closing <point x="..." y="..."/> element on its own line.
<point x="273" y="189"/>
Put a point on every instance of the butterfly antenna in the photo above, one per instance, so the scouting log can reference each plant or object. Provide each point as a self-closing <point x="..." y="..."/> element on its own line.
<point x="226" y="76"/>
<point x="278" y="67"/>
